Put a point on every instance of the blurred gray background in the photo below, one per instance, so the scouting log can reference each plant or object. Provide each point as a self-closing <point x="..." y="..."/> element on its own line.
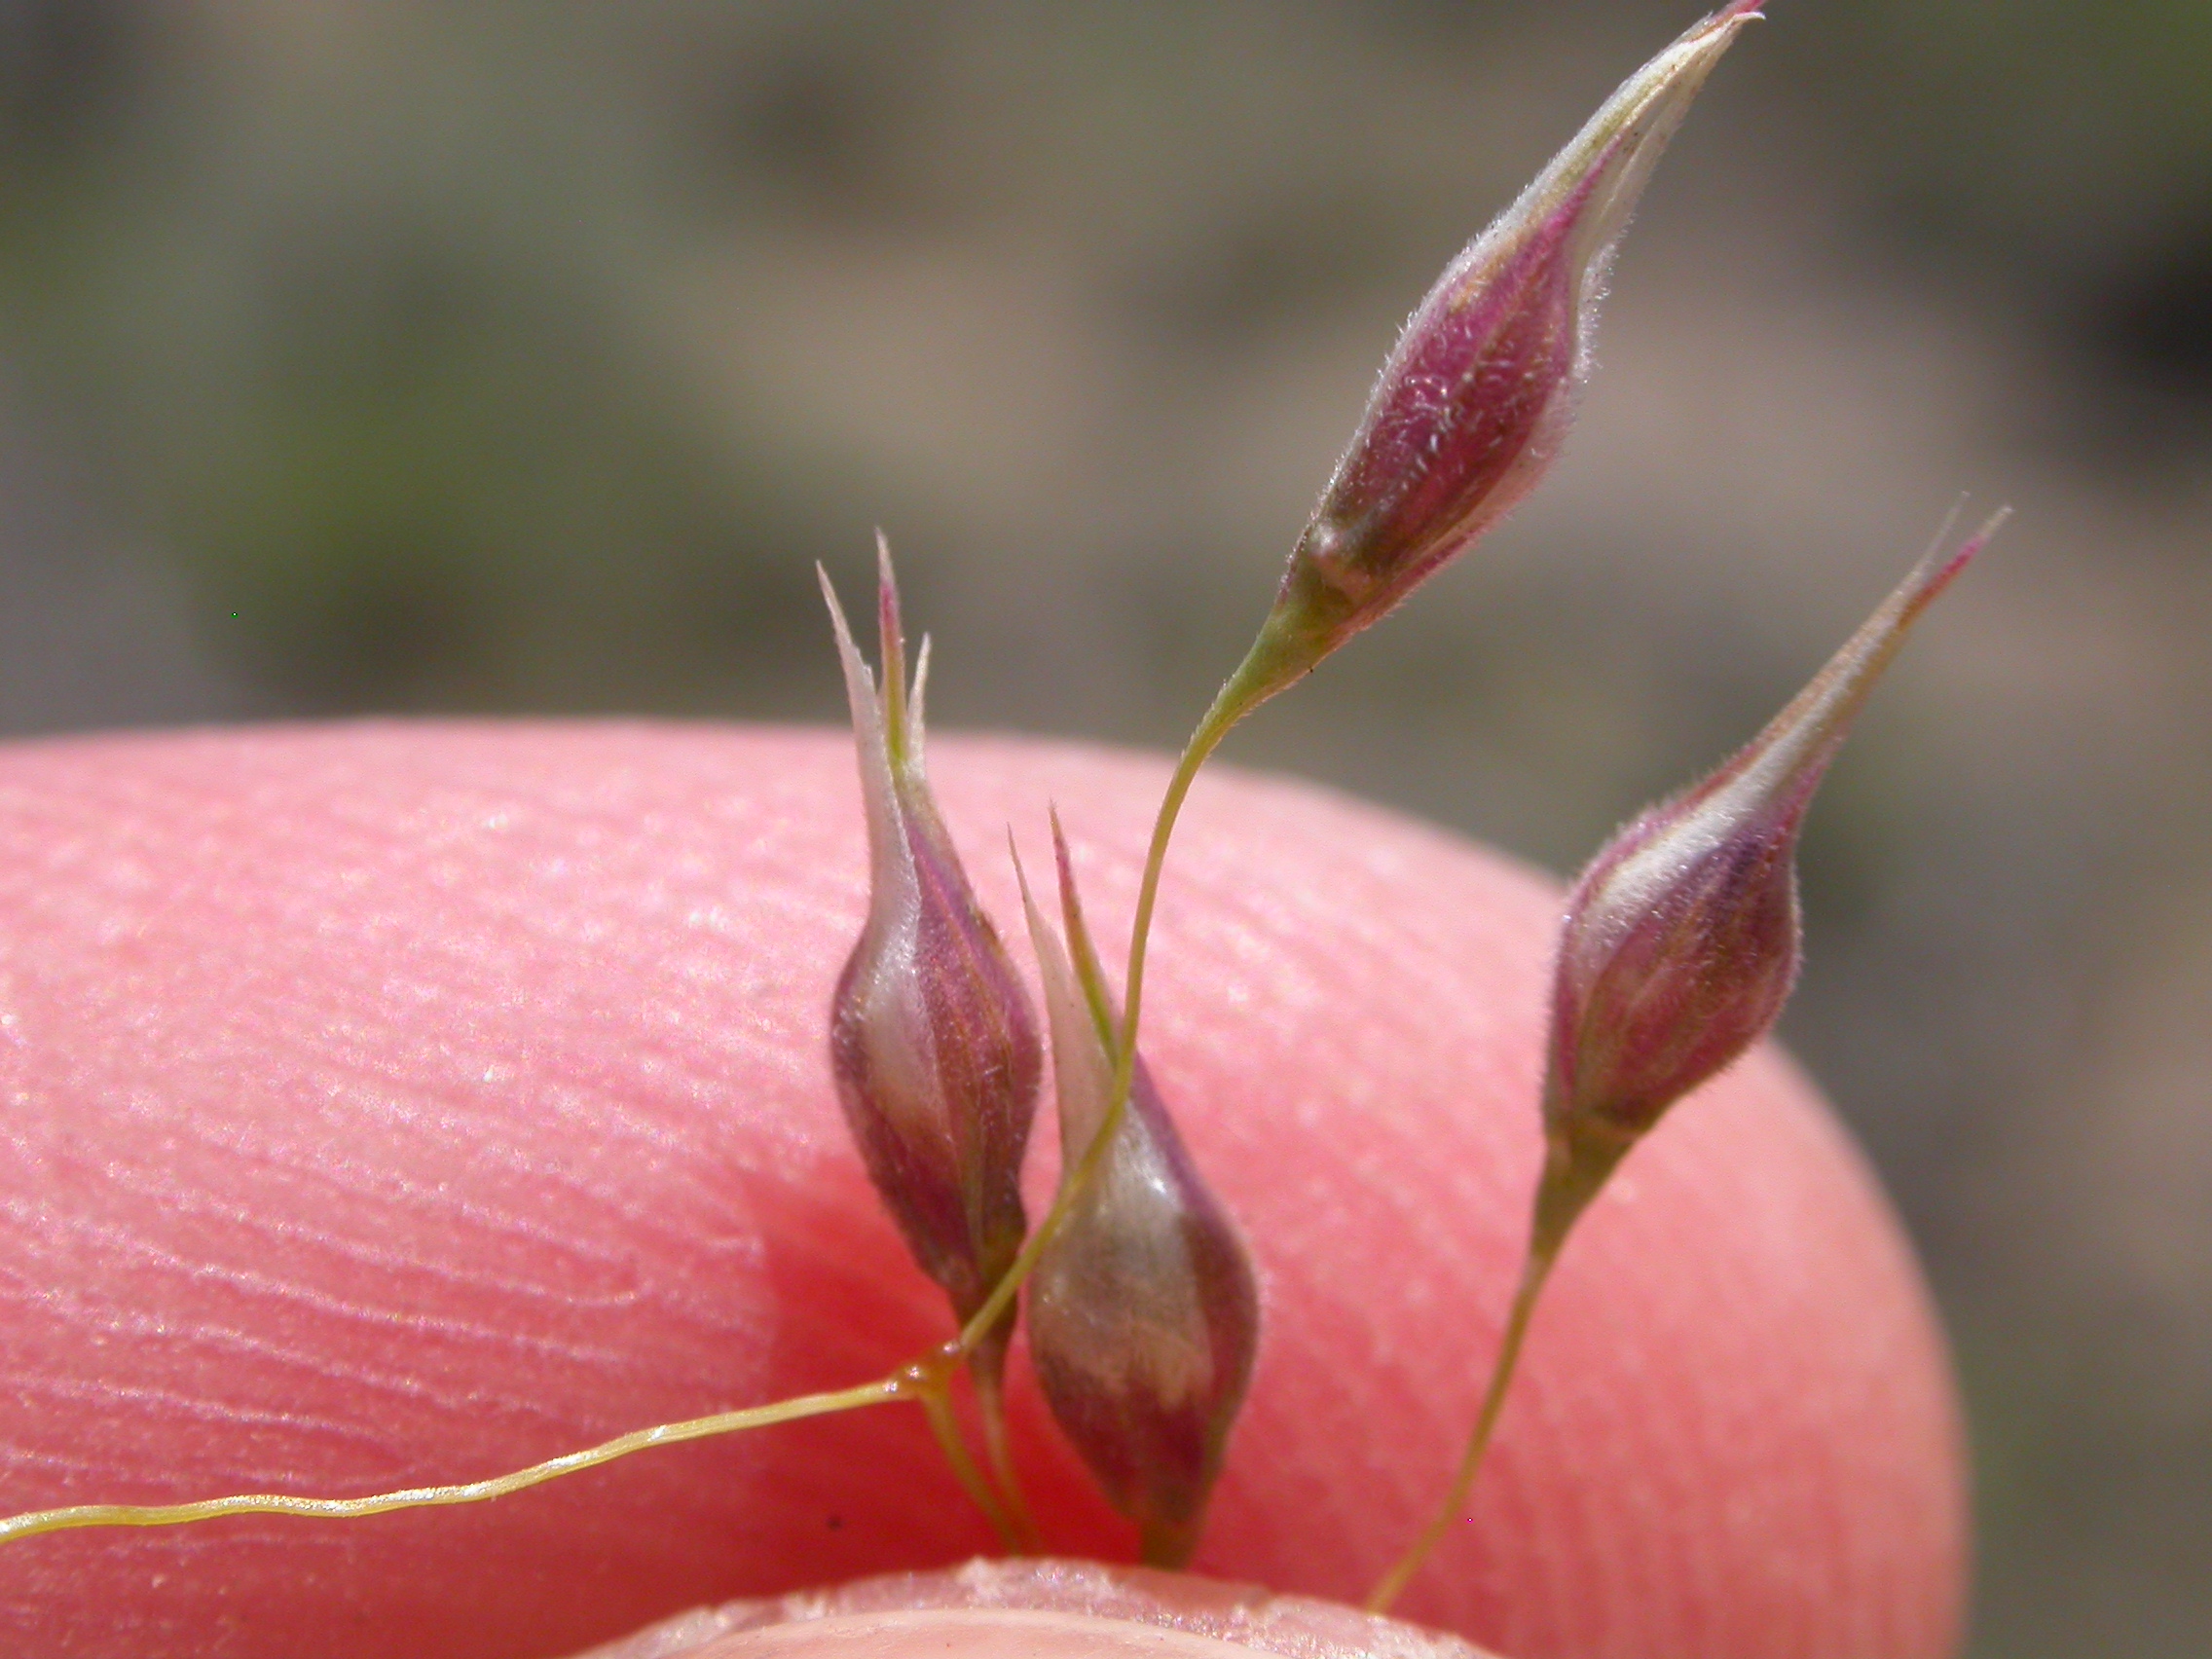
<point x="364" y="356"/>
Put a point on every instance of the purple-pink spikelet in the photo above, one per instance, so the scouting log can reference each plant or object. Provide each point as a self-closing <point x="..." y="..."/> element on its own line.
<point x="1144" y="1315"/>
<point x="1477" y="397"/>
<point x="932" y="1039"/>
<point x="1681" y="943"/>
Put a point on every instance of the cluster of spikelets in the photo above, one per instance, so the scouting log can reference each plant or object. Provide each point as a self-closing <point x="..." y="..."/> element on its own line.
<point x="1678" y="946"/>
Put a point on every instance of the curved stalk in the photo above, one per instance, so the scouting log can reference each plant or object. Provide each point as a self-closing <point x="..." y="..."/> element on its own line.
<point x="1572" y="1175"/>
<point x="900" y="1386"/>
<point x="1393" y="1582"/>
<point x="938" y="1405"/>
<point x="998" y="1453"/>
<point x="1245" y="691"/>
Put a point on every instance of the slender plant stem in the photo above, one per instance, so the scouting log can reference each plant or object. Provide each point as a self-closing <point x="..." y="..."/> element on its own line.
<point x="1533" y="1272"/>
<point x="1229" y="707"/>
<point x="936" y="1405"/>
<point x="1168" y="1544"/>
<point x="900" y="1386"/>
<point x="990" y="1404"/>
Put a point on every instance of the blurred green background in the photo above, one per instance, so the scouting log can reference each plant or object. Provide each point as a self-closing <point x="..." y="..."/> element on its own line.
<point x="366" y="355"/>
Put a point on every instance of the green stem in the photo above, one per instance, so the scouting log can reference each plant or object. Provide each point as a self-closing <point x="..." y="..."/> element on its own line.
<point x="896" y="1388"/>
<point x="936" y="1405"/>
<point x="1224" y="715"/>
<point x="1575" y="1167"/>
<point x="1393" y="1582"/>
<point x="1168" y="1544"/>
<point x="1257" y="678"/>
<point x="998" y="1451"/>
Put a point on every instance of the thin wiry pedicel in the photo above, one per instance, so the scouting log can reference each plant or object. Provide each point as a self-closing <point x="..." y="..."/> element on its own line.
<point x="1478" y="396"/>
<point x="1681" y="943"/>
<point x="1678" y="949"/>
<point x="1143" y="1309"/>
<point x="932" y="1039"/>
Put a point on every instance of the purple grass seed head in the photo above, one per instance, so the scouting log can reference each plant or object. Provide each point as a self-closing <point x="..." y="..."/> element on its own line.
<point x="1680" y="941"/>
<point x="1144" y="1315"/>
<point x="1478" y="396"/>
<point x="932" y="1039"/>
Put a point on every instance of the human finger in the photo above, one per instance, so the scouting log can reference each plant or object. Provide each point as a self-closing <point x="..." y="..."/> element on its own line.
<point x="401" y="1104"/>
